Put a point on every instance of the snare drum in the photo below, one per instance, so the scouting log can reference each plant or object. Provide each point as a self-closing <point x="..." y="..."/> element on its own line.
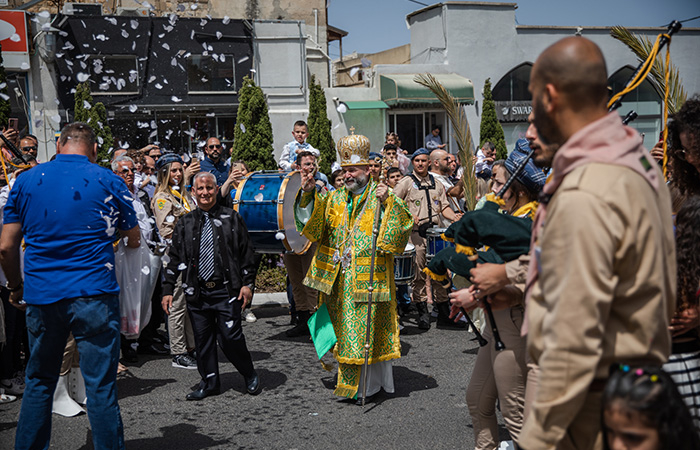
<point x="435" y="243"/>
<point x="265" y="201"/>
<point x="404" y="265"/>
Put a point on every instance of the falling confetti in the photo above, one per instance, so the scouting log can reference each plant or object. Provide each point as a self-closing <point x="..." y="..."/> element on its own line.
<point x="244" y="59"/>
<point x="217" y="222"/>
<point x="182" y="266"/>
<point x="226" y="20"/>
<point x="111" y="20"/>
<point x="108" y="198"/>
<point x="242" y="128"/>
<point x="125" y="34"/>
<point x="24" y="66"/>
<point x="134" y="24"/>
<point x="15" y="38"/>
<point x="82" y="77"/>
<point x="279" y="236"/>
<point x="189" y="291"/>
<point x="219" y="34"/>
<point x="109" y="266"/>
<point x="170" y="219"/>
<point x="133" y="108"/>
<point x="175" y="99"/>
<point x="145" y="270"/>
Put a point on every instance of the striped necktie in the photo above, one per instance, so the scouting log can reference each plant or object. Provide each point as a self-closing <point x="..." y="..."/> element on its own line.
<point x="206" y="250"/>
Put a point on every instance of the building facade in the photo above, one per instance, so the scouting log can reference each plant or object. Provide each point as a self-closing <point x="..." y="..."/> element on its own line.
<point x="480" y="40"/>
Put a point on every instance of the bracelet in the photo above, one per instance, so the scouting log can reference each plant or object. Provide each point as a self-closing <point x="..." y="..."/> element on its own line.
<point x="14" y="289"/>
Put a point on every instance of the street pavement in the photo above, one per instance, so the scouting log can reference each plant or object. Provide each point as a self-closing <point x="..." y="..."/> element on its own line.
<point x="297" y="408"/>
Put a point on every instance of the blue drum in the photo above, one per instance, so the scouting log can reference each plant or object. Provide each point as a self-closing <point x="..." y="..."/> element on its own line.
<point x="265" y="200"/>
<point x="405" y="265"/>
<point x="435" y="242"/>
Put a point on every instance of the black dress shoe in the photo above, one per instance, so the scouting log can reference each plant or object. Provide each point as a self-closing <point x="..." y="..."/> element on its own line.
<point x="129" y="354"/>
<point x="201" y="394"/>
<point x="252" y="385"/>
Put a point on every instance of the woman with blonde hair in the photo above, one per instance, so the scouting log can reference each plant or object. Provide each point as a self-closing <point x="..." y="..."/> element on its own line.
<point x="170" y="202"/>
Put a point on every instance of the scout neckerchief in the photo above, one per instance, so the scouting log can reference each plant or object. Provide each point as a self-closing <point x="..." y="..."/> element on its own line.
<point x="183" y="201"/>
<point x="422" y="229"/>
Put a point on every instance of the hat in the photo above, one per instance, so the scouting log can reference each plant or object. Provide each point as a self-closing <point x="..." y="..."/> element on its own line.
<point x="166" y="159"/>
<point x="375" y="157"/>
<point x="420" y="151"/>
<point x="531" y="176"/>
<point x="353" y="150"/>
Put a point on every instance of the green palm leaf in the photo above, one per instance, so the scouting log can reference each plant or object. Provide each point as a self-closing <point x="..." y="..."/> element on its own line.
<point x="461" y="133"/>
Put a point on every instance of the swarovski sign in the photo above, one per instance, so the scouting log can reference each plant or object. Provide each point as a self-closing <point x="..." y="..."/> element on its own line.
<point x="513" y="111"/>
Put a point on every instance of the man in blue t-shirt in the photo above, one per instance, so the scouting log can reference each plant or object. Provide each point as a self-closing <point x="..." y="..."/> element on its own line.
<point x="69" y="212"/>
<point x="214" y="162"/>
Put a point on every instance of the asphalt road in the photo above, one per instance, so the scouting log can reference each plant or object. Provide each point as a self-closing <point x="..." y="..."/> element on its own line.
<point x="297" y="408"/>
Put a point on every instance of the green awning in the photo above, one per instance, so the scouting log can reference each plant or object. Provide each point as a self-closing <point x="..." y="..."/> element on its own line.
<point x="367" y="105"/>
<point x="400" y="89"/>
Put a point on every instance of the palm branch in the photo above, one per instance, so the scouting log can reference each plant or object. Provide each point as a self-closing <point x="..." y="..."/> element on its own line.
<point x="460" y="132"/>
<point x="641" y="46"/>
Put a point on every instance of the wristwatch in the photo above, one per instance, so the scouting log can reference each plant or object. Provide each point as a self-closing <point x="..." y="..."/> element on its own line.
<point x="14" y="289"/>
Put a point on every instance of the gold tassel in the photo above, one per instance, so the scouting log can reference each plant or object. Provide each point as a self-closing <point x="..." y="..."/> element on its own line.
<point x="469" y="251"/>
<point x="445" y="238"/>
<point x="434" y="276"/>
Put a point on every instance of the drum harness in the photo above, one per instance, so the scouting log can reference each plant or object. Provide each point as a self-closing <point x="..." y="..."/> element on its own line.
<point x="423" y="228"/>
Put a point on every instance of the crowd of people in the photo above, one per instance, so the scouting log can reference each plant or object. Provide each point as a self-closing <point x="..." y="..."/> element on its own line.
<point x="597" y="319"/>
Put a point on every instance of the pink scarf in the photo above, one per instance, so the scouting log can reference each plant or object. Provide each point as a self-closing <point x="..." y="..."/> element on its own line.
<point x="604" y="141"/>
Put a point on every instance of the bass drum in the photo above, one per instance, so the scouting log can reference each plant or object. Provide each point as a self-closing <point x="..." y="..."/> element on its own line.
<point x="265" y="201"/>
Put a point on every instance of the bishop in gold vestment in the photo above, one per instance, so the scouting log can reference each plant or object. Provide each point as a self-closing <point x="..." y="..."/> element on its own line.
<point x="341" y="222"/>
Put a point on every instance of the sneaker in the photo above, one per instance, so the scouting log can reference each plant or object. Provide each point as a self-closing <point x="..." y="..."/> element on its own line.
<point x="184" y="361"/>
<point x="6" y="398"/>
<point x="12" y="386"/>
<point x="249" y="316"/>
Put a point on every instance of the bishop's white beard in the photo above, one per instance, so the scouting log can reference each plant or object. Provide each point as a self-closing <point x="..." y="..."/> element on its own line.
<point x="357" y="184"/>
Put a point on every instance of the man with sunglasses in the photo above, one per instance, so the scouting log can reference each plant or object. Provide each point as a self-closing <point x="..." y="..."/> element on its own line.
<point x="28" y="145"/>
<point x="215" y="162"/>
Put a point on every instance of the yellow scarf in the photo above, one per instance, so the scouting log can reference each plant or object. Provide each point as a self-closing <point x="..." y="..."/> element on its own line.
<point x="527" y="210"/>
<point x="183" y="201"/>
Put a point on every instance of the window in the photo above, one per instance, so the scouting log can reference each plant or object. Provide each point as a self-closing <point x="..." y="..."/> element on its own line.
<point x="413" y="126"/>
<point x="114" y="75"/>
<point x="513" y="86"/>
<point x="211" y="74"/>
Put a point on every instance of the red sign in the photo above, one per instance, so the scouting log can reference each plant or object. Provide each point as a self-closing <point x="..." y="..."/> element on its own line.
<point x="13" y="31"/>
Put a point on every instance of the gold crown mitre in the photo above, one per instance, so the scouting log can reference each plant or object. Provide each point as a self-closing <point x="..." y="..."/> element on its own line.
<point x="353" y="150"/>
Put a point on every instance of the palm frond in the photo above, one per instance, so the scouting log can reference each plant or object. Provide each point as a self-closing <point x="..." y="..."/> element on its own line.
<point x="641" y="46"/>
<point x="460" y="132"/>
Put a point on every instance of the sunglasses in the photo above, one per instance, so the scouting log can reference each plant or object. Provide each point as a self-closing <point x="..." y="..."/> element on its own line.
<point x="214" y="146"/>
<point x="126" y="170"/>
<point x="26" y="149"/>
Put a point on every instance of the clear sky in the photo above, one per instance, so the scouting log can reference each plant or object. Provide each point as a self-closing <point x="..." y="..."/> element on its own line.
<point x="376" y="25"/>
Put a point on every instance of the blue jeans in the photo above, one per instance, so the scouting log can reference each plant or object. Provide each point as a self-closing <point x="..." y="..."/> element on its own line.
<point x="94" y="322"/>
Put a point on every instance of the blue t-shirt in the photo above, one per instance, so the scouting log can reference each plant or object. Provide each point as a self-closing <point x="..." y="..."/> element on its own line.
<point x="220" y="169"/>
<point x="70" y="210"/>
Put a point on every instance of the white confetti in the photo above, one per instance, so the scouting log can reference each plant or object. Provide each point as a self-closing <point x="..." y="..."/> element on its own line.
<point x="158" y="86"/>
<point x="170" y="272"/>
<point x="233" y="299"/>
<point x="134" y="24"/>
<point x="109" y="266"/>
<point x="15" y="38"/>
<point x="170" y="218"/>
<point x="229" y="323"/>
<point x="193" y="7"/>
<point x="279" y="236"/>
<point x="242" y="127"/>
<point x="45" y="15"/>
<point x="189" y="291"/>
<point x="125" y="34"/>
<point x="166" y="259"/>
<point x="145" y="270"/>
<point x="82" y="77"/>
<point x="111" y="20"/>
<point x="133" y="108"/>
<point x="226" y="20"/>
<point x="87" y="104"/>
<point x="175" y="99"/>
<point x="166" y="46"/>
<point x="24" y="66"/>
<point x="101" y="37"/>
<point x="244" y="59"/>
<point x="182" y="266"/>
<point x="4" y="97"/>
<point x="259" y="197"/>
<point x="219" y="34"/>
<point x="217" y="222"/>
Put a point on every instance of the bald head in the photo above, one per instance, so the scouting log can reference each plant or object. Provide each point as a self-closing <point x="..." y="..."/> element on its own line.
<point x="78" y="138"/>
<point x="576" y="67"/>
<point x="569" y="89"/>
<point x="440" y="162"/>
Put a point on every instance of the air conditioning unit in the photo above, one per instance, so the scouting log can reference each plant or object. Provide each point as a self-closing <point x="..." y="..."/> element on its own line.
<point x="82" y="9"/>
<point x="132" y="12"/>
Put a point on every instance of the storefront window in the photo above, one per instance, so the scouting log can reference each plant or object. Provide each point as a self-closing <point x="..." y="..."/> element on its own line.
<point x="513" y="86"/>
<point x="413" y="127"/>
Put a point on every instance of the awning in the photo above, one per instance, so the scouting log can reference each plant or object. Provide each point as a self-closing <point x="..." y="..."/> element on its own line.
<point x="367" y="105"/>
<point x="400" y="89"/>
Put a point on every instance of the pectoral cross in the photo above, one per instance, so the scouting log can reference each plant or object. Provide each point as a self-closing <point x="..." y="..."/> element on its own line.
<point x="352" y="130"/>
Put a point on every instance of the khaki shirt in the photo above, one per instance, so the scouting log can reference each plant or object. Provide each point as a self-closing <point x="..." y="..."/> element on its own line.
<point x="605" y="294"/>
<point x="167" y="210"/>
<point x="415" y="198"/>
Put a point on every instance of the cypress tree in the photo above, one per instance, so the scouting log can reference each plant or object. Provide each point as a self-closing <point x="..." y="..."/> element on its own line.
<point x="320" y="127"/>
<point x="95" y="115"/>
<point x="5" y="109"/>
<point x="252" y="135"/>
<point x="491" y="129"/>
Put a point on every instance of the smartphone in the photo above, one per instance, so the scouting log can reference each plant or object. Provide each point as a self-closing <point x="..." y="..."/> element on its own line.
<point x="13" y="123"/>
<point x="236" y="166"/>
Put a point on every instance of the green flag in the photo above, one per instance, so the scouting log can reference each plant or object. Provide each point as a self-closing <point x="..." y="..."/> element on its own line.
<point x="322" y="332"/>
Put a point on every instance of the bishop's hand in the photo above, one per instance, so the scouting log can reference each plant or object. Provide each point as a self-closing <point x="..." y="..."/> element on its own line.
<point x="307" y="181"/>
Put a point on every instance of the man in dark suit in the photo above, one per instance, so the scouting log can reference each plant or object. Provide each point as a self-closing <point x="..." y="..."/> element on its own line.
<point x="211" y="245"/>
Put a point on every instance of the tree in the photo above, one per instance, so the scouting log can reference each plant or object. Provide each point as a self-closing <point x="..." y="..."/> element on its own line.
<point x="252" y="136"/>
<point x="320" y="127"/>
<point x="5" y="109"/>
<point x="95" y="115"/>
<point x="491" y="129"/>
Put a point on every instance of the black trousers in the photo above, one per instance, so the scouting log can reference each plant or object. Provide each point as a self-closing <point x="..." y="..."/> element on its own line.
<point x="214" y="317"/>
